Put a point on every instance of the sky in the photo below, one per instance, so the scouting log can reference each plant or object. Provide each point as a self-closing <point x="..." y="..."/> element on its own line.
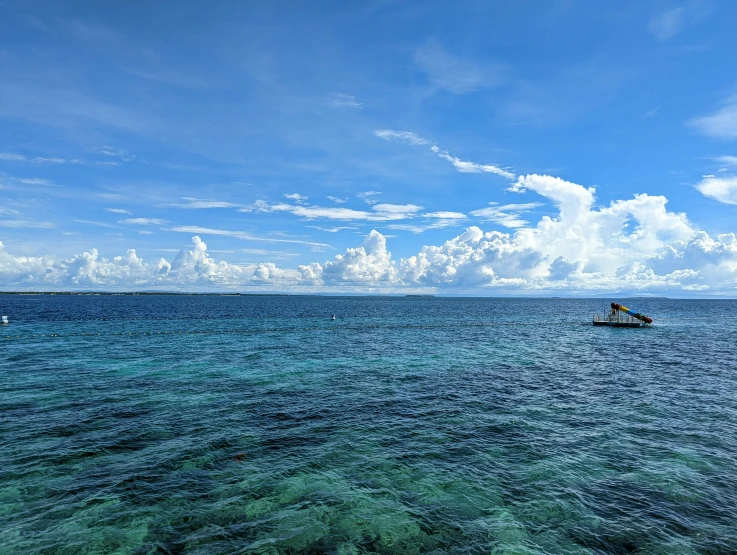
<point x="559" y="147"/>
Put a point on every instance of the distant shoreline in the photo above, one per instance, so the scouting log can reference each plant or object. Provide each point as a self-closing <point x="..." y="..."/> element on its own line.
<point x="613" y="296"/>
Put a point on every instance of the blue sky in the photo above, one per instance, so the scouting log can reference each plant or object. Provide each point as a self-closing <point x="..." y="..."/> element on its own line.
<point x="281" y="134"/>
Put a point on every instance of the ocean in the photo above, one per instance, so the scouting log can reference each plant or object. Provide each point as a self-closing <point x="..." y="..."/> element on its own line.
<point x="256" y="424"/>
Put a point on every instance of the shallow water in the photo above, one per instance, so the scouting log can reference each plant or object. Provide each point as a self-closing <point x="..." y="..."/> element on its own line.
<point x="204" y="424"/>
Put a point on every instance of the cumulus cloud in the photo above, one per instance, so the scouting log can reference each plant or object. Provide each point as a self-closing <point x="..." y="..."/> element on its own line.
<point x="723" y="189"/>
<point x="190" y="268"/>
<point x="630" y="245"/>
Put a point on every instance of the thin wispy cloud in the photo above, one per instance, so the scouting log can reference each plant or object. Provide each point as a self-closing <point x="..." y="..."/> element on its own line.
<point x="721" y="124"/>
<point x="723" y="189"/>
<point x="462" y="166"/>
<point x="368" y="196"/>
<point x="453" y="73"/>
<point x="123" y="155"/>
<point x="508" y="215"/>
<point x="668" y="23"/>
<point x="243" y="235"/>
<point x="465" y="166"/>
<point x="193" y="203"/>
<point x="338" y="200"/>
<point x="296" y="197"/>
<point x="726" y="160"/>
<point x="12" y="157"/>
<point x="445" y="215"/>
<point x="15" y="157"/>
<point x="37" y="181"/>
<point x="403" y="136"/>
<point x="379" y="212"/>
<point x="143" y="221"/>
<point x="95" y="223"/>
<point x="118" y="211"/>
<point x="344" y="101"/>
<point x="25" y="224"/>
<point x="332" y="229"/>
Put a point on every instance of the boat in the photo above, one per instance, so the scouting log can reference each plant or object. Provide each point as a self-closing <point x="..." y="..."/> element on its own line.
<point x="622" y="317"/>
<point x="4" y="321"/>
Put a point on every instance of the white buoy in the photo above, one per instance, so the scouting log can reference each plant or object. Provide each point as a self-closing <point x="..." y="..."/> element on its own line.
<point x="333" y="317"/>
<point x="4" y="320"/>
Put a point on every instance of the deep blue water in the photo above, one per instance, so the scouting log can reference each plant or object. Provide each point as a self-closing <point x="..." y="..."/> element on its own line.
<point x="204" y="424"/>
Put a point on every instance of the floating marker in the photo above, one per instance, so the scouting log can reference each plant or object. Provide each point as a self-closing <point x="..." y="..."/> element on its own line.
<point x="4" y="321"/>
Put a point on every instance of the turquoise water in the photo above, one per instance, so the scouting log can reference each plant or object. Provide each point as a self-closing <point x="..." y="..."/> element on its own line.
<point x="206" y="425"/>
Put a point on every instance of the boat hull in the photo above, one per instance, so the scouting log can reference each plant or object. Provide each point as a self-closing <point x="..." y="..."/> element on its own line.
<point x="620" y="324"/>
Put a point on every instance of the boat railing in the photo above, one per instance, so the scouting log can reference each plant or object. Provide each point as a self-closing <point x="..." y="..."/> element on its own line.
<point x="618" y="317"/>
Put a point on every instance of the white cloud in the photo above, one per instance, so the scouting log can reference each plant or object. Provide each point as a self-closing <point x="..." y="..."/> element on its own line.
<point x="454" y="74"/>
<point x="721" y="124"/>
<point x="668" y="23"/>
<point x="142" y="221"/>
<point x="507" y="215"/>
<point x="723" y="189"/>
<point x="268" y="272"/>
<point x="344" y="101"/>
<point x="338" y="200"/>
<point x="370" y="263"/>
<point x="118" y="211"/>
<point x="404" y="136"/>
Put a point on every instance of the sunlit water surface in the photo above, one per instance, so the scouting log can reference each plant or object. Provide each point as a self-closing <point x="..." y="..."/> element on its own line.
<point x="407" y="425"/>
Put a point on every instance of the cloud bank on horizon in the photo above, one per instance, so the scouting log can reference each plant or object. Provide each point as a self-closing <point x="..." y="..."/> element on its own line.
<point x="633" y="245"/>
<point x="378" y="150"/>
